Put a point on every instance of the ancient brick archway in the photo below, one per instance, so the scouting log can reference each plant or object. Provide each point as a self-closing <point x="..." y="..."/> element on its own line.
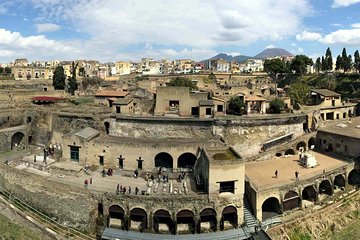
<point x="309" y="193"/>
<point x="137" y="220"/>
<point x="185" y="221"/>
<point x="325" y="187"/>
<point x="354" y="177"/>
<point x="163" y="159"/>
<point x="229" y="218"/>
<point x="163" y="222"/>
<point x="186" y="160"/>
<point x="208" y="220"/>
<point x="339" y="181"/>
<point x="270" y="208"/>
<point x="18" y="140"/>
<point x="291" y="201"/>
<point x="116" y="217"/>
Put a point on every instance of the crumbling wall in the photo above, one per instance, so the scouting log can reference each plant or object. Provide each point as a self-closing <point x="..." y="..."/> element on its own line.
<point x="72" y="206"/>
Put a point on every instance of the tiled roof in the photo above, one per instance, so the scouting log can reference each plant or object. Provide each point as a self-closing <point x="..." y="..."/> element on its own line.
<point x="123" y="101"/>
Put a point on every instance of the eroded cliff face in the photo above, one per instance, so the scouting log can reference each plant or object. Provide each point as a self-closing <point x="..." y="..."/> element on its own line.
<point x="69" y="205"/>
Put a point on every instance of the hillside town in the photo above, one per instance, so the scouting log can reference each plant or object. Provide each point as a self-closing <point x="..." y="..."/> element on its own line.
<point x="226" y="149"/>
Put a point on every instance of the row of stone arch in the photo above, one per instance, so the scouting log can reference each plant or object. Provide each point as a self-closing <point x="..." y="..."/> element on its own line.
<point x="185" y="160"/>
<point x="311" y="144"/>
<point x="161" y="221"/>
<point x="272" y="207"/>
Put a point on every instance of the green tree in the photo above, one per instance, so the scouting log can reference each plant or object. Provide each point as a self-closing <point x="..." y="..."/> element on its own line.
<point x="2" y="70"/>
<point x="277" y="105"/>
<point x="59" y="78"/>
<point x="299" y="92"/>
<point x="212" y="77"/>
<point x="339" y="63"/>
<point x="318" y="66"/>
<point x="236" y="106"/>
<point x="7" y="70"/>
<point x="274" y="66"/>
<point x="183" y="82"/>
<point x="299" y="64"/>
<point x="345" y="61"/>
<point x="323" y="64"/>
<point x="73" y="85"/>
<point x="357" y="60"/>
<point x="328" y="60"/>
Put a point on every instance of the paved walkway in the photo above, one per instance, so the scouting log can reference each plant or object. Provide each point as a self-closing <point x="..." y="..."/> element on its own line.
<point x="109" y="183"/>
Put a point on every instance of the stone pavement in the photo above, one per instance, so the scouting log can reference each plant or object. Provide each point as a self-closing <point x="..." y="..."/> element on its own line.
<point x="109" y="183"/>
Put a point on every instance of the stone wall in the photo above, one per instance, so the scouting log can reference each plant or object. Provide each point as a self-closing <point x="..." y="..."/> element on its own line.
<point x="72" y="206"/>
<point x="247" y="136"/>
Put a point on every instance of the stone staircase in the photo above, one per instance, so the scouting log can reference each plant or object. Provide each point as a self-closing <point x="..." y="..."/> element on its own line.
<point x="249" y="218"/>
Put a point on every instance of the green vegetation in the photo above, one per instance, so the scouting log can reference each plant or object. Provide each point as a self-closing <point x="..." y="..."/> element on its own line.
<point x="236" y="106"/>
<point x="73" y="85"/>
<point x="274" y="66"/>
<point x="182" y="82"/>
<point x="350" y="232"/>
<point x="81" y="101"/>
<point x="10" y="230"/>
<point x="59" y="78"/>
<point x="210" y="79"/>
<point x="297" y="234"/>
<point x="299" y="64"/>
<point x="90" y="81"/>
<point x="277" y="105"/>
<point x="299" y="92"/>
<point x="227" y="155"/>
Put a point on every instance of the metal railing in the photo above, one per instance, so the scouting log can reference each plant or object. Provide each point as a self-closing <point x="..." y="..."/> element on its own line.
<point x="43" y="219"/>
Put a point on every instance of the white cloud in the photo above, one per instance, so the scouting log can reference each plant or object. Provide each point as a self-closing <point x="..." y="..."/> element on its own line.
<point x="346" y="37"/>
<point x="300" y="50"/>
<point x="308" y="36"/>
<point x="14" y="44"/>
<point x="356" y="25"/>
<point x="293" y="44"/>
<point x="270" y="46"/>
<point x="344" y="3"/>
<point x="336" y="24"/>
<point x="113" y="24"/>
<point x="47" y="27"/>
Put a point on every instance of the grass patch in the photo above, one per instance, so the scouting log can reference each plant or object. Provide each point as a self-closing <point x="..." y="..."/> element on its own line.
<point x="226" y="155"/>
<point x="10" y="230"/>
<point x="297" y="234"/>
<point x="81" y="101"/>
<point x="350" y="232"/>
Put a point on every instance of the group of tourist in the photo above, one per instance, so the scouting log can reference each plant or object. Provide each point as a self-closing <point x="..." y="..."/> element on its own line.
<point x="296" y="175"/>
<point x="121" y="189"/>
<point x="109" y="172"/>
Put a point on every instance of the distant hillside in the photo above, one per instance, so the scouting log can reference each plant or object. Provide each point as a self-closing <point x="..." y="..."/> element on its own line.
<point x="229" y="58"/>
<point x="272" y="52"/>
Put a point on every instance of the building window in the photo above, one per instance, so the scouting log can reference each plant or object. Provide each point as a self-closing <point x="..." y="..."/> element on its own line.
<point x="346" y="148"/>
<point x="101" y="160"/>
<point x="220" y="108"/>
<point x="74" y="153"/>
<point x="227" y="187"/>
<point x="208" y="111"/>
<point x="121" y="162"/>
<point x="117" y="109"/>
<point x="333" y="103"/>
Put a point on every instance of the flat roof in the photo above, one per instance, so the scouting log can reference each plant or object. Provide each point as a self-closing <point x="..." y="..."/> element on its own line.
<point x="221" y="154"/>
<point x="261" y="174"/>
<point x="326" y="92"/>
<point x="346" y="128"/>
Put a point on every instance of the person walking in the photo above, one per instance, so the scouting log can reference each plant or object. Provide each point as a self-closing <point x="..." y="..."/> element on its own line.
<point x="297" y="176"/>
<point x="129" y="190"/>
<point x="117" y="189"/>
<point x="86" y="183"/>
<point x="276" y="174"/>
<point x="136" y="190"/>
<point x="90" y="180"/>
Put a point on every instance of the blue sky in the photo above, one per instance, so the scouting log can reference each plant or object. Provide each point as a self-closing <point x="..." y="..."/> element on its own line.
<point x="113" y="30"/>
